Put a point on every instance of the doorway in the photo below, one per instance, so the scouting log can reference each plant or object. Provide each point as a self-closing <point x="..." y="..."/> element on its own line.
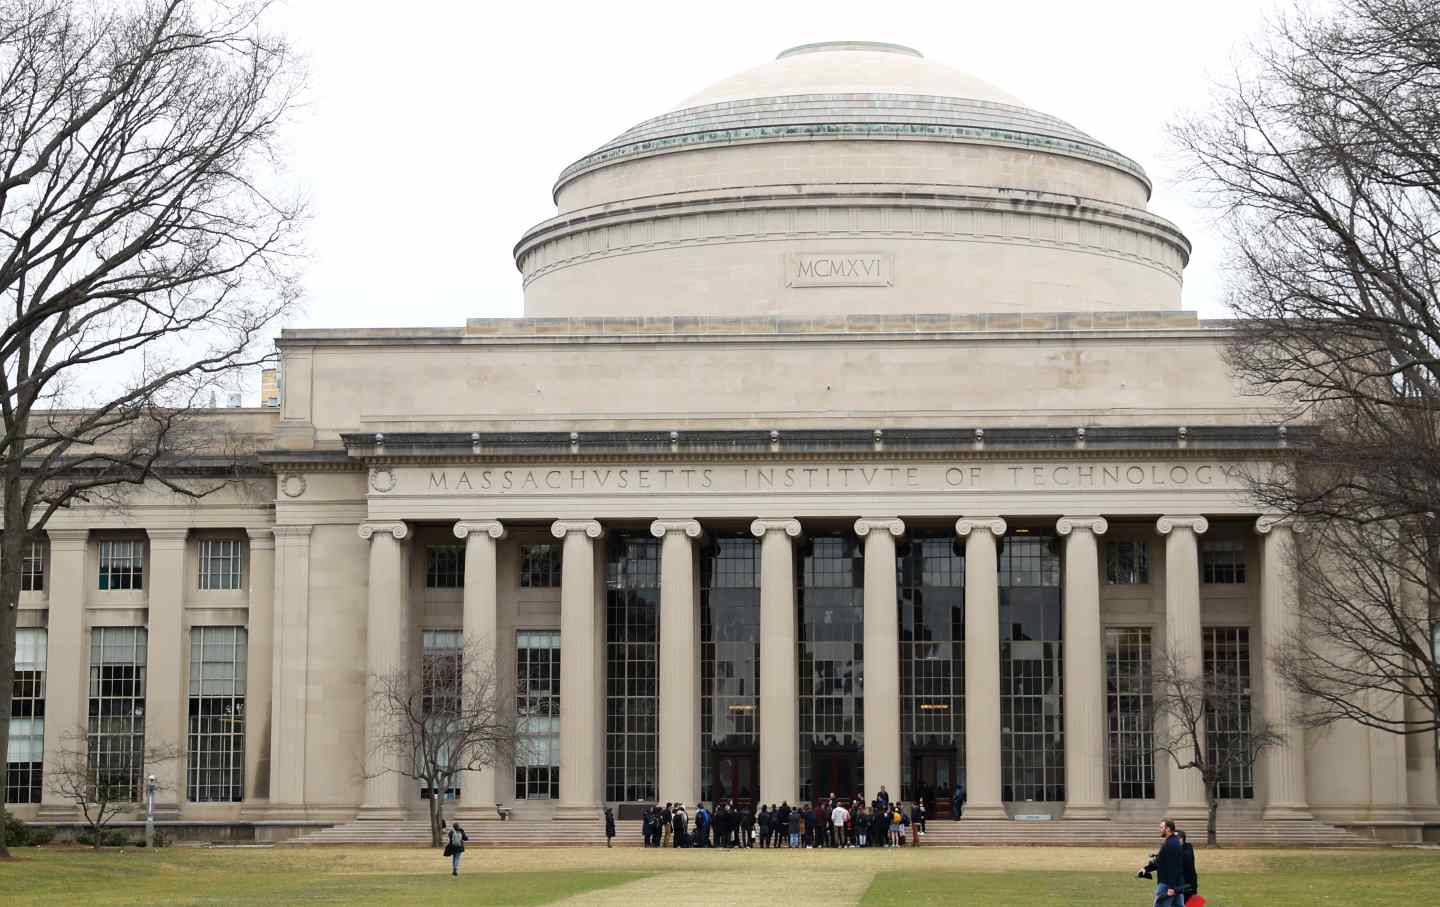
<point x="735" y="776"/>
<point x="835" y="771"/>
<point x="934" y="781"/>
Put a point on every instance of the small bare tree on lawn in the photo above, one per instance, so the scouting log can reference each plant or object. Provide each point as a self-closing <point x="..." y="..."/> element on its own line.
<point x="441" y="718"/>
<point x="103" y="784"/>
<point x="1204" y="722"/>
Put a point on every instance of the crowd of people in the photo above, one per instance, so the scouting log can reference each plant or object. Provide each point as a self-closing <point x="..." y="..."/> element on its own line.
<point x="829" y="822"/>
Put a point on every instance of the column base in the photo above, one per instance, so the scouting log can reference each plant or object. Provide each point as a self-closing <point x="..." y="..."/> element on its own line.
<point x="381" y="814"/>
<point x="286" y="811"/>
<point x="974" y="810"/>
<point x="477" y="812"/>
<point x="1286" y="812"/>
<point x="578" y="812"/>
<point x="1085" y="811"/>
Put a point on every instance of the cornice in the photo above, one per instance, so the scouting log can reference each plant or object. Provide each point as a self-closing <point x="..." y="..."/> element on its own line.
<point x="466" y="528"/>
<point x="1068" y="524"/>
<point x="562" y="528"/>
<point x="968" y="524"/>
<point x="1169" y="523"/>
<point x="893" y="525"/>
<point x="789" y="526"/>
<point x="690" y="528"/>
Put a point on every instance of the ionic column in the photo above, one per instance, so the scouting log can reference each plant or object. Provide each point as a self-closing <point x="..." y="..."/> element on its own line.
<point x="882" y="655"/>
<point x="1183" y="639"/>
<point x="1279" y="622"/>
<point x="165" y="655"/>
<point x="385" y="648"/>
<point x="580" y="793"/>
<point x="1084" y="670"/>
<point x="290" y="671"/>
<point x="679" y="739"/>
<point x="982" y="666"/>
<point x="67" y="655"/>
<point x="481" y="634"/>
<point x="779" y="702"/>
<point x="259" y="643"/>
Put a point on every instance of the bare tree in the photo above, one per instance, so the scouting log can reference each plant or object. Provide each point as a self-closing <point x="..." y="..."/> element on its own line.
<point x="1204" y="723"/>
<point x="1322" y="152"/>
<point x="105" y="784"/>
<point x="145" y="250"/>
<point x="441" y="718"/>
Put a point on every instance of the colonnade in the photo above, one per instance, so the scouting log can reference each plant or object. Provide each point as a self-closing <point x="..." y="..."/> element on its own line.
<point x="582" y="640"/>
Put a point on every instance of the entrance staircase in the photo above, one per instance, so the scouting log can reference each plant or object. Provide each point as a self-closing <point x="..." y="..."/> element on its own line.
<point x="521" y="832"/>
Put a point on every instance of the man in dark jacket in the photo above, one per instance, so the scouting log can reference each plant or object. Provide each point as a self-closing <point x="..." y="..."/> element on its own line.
<point x="1169" y="868"/>
<point x="958" y="803"/>
<point x="765" y="820"/>
<point x="702" y="825"/>
<point x="609" y="827"/>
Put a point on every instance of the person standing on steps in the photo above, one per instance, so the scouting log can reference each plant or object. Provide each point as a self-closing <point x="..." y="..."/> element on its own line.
<point x="959" y="803"/>
<point x="455" y="840"/>
<point x="609" y="827"/>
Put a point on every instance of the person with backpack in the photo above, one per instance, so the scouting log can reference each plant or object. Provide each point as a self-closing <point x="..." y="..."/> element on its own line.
<point x="455" y="840"/>
<point x="1191" y="886"/>
<point x="609" y="827"/>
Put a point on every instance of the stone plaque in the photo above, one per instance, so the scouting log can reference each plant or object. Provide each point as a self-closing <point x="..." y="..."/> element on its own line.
<point x="838" y="269"/>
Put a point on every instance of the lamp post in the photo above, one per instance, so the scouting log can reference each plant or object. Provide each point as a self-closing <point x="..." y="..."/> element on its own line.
<point x="150" y="813"/>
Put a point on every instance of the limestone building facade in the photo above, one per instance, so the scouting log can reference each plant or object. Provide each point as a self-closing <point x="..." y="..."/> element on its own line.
<point x="854" y="435"/>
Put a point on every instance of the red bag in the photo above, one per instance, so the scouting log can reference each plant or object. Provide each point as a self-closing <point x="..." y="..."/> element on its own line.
<point x="1194" y="901"/>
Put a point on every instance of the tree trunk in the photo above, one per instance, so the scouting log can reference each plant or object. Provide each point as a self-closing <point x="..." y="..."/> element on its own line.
<point x="1213" y="808"/>
<point x="13" y="543"/>
<point x="437" y="817"/>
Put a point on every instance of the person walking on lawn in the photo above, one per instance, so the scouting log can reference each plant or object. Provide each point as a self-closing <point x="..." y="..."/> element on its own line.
<point x="1169" y="868"/>
<point x="455" y="840"/>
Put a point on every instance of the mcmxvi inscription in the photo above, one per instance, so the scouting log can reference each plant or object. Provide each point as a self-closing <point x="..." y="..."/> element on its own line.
<point x="838" y="269"/>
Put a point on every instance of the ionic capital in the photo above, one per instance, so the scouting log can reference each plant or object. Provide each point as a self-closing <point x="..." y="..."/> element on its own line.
<point x="1271" y="521"/>
<point x="398" y="529"/>
<point x="790" y="527"/>
<point x="1068" y="524"/>
<point x="660" y="528"/>
<point x="968" y="524"/>
<point x="562" y="528"/>
<point x="893" y="525"/>
<point x="466" y="528"/>
<point x="291" y="533"/>
<point x="1168" y="523"/>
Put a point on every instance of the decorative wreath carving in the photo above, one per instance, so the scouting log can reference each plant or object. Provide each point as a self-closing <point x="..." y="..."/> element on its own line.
<point x="383" y="480"/>
<point x="292" y="485"/>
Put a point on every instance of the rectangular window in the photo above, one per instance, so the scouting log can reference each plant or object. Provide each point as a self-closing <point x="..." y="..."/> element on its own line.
<point x="1127" y="563"/>
<point x="539" y="566"/>
<point x="115" y="728"/>
<point x="729" y="665"/>
<point x="441" y="667"/>
<point x="537" y="710"/>
<point x="1032" y="670"/>
<point x="216" y="758"/>
<point x="632" y="630"/>
<point x="931" y="586"/>
<point x="26" y="754"/>
<point x="830" y="655"/>
<point x="32" y="569"/>
<point x="122" y="564"/>
<point x="445" y="567"/>
<point x="220" y="563"/>
<point x="1222" y="561"/>
<point x="1129" y="706"/>
<point x="1228" y="714"/>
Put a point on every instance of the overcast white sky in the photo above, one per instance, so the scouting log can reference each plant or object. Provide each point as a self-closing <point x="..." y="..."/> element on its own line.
<point x="435" y="128"/>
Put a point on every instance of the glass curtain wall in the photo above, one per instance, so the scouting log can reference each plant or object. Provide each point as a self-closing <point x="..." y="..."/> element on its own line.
<point x="831" y="604"/>
<point x="632" y="633"/>
<point x="1130" y="710"/>
<point x="216" y="760"/>
<point x="116" y="725"/>
<point x="729" y="667"/>
<point x="932" y="668"/>
<point x="1227" y="665"/>
<point x="537" y="703"/>
<point x="1032" y="719"/>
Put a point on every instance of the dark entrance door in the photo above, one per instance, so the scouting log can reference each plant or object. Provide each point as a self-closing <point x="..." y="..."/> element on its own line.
<point x="835" y="772"/>
<point x="934" y="775"/>
<point x="735" y="776"/>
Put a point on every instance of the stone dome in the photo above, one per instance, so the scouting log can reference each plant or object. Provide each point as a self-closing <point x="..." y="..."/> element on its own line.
<point x="941" y="191"/>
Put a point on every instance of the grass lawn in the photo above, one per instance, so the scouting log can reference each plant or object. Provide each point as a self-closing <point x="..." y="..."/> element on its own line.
<point x="975" y="877"/>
